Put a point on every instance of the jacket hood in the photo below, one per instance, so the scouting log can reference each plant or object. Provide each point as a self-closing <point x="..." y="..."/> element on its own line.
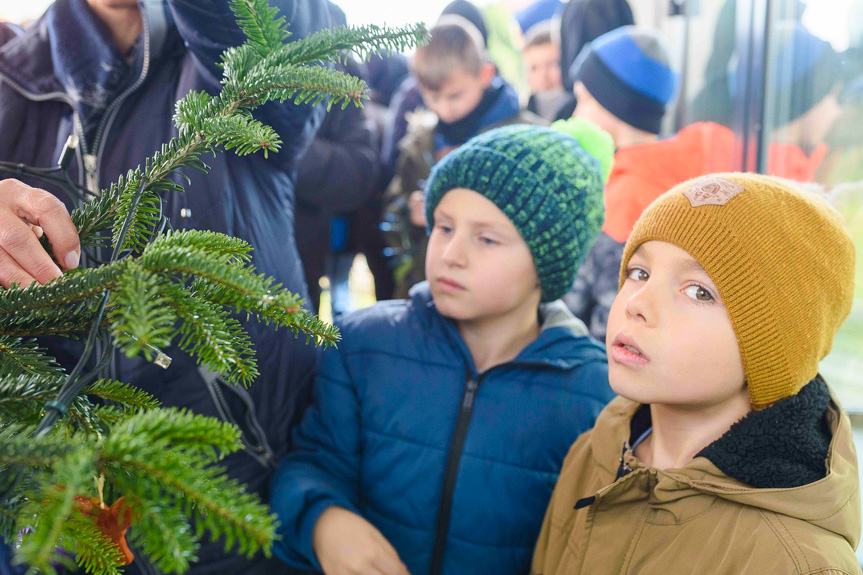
<point x="831" y="503"/>
<point x="563" y="342"/>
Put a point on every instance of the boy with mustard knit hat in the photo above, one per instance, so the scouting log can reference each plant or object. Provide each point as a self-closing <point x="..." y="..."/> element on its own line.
<point x="735" y="458"/>
<point x="441" y="421"/>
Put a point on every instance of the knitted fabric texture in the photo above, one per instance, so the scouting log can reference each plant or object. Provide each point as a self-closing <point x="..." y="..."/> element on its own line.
<point x="628" y="71"/>
<point x="544" y="182"/>
<point x="781" y="260"/>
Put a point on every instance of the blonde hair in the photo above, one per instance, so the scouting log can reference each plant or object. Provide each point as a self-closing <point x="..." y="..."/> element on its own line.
<point x="455" y="44"/>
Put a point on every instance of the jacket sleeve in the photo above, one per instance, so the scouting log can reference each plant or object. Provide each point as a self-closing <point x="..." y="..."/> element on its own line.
<point x="208" y="28"/>
<point x="323" y="468"/>
<point x="341" y="165"/>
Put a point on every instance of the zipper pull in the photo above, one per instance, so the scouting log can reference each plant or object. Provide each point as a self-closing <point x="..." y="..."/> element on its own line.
<point x="91" y="162"/>
<point x="469" y="394"/>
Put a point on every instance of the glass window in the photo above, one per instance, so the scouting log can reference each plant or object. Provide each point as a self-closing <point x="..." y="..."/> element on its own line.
<point x="813" y="102"/>
<point x="784" y="78"/>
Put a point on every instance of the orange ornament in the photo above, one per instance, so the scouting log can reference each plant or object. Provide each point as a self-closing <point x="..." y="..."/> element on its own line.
<point x="113" y="521"/>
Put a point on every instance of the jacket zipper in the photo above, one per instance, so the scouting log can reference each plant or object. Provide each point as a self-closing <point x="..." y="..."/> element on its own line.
<point x="451" y="472"/>
<point x="92" y="161"/>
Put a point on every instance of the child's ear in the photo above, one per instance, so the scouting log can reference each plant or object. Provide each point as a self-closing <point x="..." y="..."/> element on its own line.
<point x="487" y="73"/>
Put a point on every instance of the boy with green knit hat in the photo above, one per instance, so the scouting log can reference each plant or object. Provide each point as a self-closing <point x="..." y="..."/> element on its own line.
<point x="440" y="423"/>
<point x="736" y="458"/>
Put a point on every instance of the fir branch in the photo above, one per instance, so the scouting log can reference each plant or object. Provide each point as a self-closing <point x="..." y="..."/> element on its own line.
<point x="74" y="321"/>
<point x="22" y="397"/>
<point x="129" y="397"/>
<point x="261" y="24"/>
<point x="179" y="429"/>
<point x="24" y="357"/>
<point x="240" y="287"/>
<point x="302" y="85"/>
<point x="332" y="44"/>
<point x="89" y="420"/>
<point x="141" y="319"/>
<point x="219" y="504"/>
<point x="241" y="133"/>
<point x="18" y="448"/>
<point x="163" y="533"/>
<point x="141" y="206"/>
<point x="51" y="508"/>
<point x="215" y="338"/>
<point x="94" y="218"/>
<point x="206" y="241"/>
<point x="136" y="460"/>
<point x="94" y="552"/>
<point x="68" y="289"/>
<point x="283" y="308"/>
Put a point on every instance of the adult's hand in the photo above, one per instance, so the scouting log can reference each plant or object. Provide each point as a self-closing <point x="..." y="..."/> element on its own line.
<point x="347" y="544"/>
<point x="25" y="214"/>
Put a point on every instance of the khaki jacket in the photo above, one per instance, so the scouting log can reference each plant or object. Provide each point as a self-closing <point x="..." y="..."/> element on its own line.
<point x="695" y="520"/>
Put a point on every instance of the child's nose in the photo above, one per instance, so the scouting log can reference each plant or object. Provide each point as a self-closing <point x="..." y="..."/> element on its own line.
<point x="641" y="304"/>
<point x="454" y="253"/>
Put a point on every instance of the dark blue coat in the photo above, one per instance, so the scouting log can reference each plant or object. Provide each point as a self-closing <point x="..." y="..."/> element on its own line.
<point x="402" y="425"/>
<point x="63" y="75"/>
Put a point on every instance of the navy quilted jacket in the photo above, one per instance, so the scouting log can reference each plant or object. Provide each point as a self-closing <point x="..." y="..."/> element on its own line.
<point x="63" y="76"/>
<point x="454" y="467"/>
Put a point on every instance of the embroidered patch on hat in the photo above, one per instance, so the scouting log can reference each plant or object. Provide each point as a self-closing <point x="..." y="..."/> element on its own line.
<point x="712" y="192"/>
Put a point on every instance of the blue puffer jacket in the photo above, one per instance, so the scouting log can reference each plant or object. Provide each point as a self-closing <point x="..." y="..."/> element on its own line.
<point x="63" y="75"/>
<point x="405" y="432"/>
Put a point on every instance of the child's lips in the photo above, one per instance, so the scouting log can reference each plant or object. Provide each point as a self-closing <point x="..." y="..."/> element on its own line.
<point x="449" y="284"/>
<point x="625" y="350"/>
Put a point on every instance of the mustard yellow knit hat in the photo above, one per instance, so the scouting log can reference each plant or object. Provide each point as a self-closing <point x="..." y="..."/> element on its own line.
<point x="781" y="260"/>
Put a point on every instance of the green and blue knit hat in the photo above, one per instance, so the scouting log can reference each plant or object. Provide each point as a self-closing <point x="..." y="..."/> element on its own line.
<point x="544" y="181"/>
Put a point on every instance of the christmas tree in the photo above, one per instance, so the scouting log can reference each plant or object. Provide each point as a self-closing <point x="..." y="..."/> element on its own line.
<point x="68" y="439"/>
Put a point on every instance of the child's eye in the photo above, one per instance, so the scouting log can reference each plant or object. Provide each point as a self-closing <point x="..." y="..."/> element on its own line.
<point x="637" y="274"/>
<point x="488" y="241"/>
<point x="444" y="228"/>
<point x="698" y="293"/>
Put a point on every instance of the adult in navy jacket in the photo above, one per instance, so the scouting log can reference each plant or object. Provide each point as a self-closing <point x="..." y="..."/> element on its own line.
<point x="67" y="75"/>
<point x="386" y="423"/>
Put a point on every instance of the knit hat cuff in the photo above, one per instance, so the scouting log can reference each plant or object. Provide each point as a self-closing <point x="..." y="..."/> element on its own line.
<point x="618" y="97"/>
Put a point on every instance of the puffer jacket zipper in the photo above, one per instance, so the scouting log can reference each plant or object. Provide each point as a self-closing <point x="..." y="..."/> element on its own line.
<point x="451" y="473"/>
<point x="456" y="449"/>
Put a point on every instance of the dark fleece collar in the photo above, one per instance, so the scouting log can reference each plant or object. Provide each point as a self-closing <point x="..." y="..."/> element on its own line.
<point x="782" y="446"/>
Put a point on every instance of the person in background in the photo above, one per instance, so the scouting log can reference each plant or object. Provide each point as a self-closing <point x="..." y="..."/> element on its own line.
<point x="384" y="74"/>
<point x="464" y="97"/>
<point x="334" y="178"/>
<point x="736" y="457"/>
<point x="541" y="57"/>
<point x="623" y="83"/>
<point x="407" y="97"/>
<point x="581" y="22"/>
<point x="110" y="72"/>
<point x="440" y="422"/>
<point x="538" y="12"/>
